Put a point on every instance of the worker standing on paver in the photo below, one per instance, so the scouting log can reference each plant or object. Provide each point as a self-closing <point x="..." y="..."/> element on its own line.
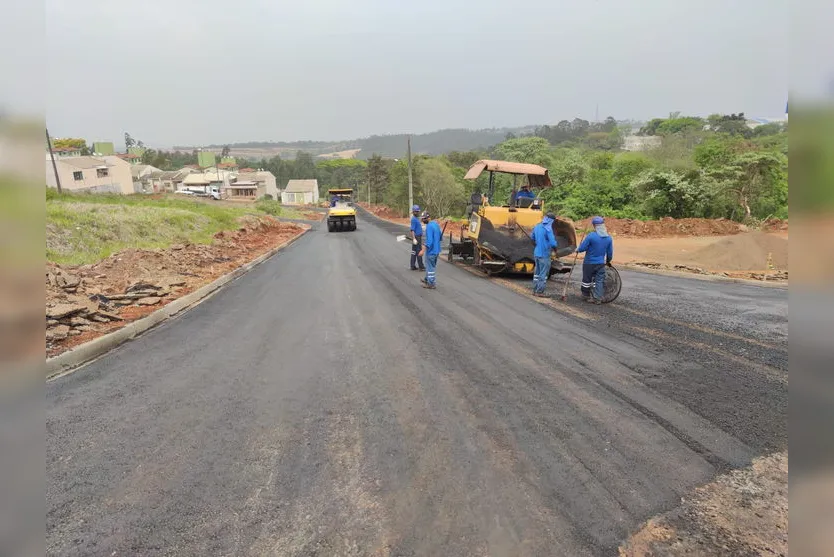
<point x="416" y="240"/>
<point x="431" y="250"/>
<point x="545" y="241"/>
<point x="599" y="248"/>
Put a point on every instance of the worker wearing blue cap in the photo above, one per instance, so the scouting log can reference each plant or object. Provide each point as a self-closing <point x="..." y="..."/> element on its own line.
<point x="416" y="240"/>
<point x="599" y="251"/>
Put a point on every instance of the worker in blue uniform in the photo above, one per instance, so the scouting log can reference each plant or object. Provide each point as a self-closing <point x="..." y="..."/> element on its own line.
<point x="431" y="250"/>
<point x="598" y="247"/>
<point x="545" y="241"/>
<point x="525" y="192"/>
<point x="416" y="240"/>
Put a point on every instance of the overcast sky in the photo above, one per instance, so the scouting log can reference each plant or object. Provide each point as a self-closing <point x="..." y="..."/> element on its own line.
<point x="204" y="71"/>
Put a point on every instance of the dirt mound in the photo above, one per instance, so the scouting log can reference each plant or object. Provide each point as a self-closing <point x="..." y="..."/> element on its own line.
<point x="87" y="301"/>
<point x="667" y="227"/>
<point x="775" y="225"/>
<point x="748" y="251"/>
<point x="383" y="211"/>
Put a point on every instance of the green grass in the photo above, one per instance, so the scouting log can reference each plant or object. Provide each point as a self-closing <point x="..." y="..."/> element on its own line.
<point x="85" y="228"/>
<point x="274" y="208"/>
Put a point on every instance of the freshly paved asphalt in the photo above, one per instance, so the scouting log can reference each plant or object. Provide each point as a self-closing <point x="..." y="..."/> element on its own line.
<point x="325" y="404"/>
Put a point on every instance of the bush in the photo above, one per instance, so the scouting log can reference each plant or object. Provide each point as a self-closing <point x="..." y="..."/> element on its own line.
<point x="269" y="206"/>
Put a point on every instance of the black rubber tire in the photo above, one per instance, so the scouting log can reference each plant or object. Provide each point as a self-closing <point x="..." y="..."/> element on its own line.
<point x="613" y="285"/>
<point x="331" y="227"/>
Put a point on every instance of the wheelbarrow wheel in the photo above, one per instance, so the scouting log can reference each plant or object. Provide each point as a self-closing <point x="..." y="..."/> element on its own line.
<point x="613" y="285"/>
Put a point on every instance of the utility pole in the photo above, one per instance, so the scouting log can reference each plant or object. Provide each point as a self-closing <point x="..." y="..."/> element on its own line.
<point x="54" y="166"/>
<point x="410" y="183"/>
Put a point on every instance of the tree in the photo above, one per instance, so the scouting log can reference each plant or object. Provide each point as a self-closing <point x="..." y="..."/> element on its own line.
<point x="651" y="127"/>
<point x="463" y="159"/>
<point x="680" y="125"/>
<point x="609" y="125"/>
<point x="579" y="127"/>
<point x="225" y="151"/>
<point x="756" y="180"/>
<point x="441" y="193"/>
<point x="378" y="177"/>
<point x="304" y="168"/>
<point x="733" y="124"/>
<point x="129" y="141"/>
<point x="535" y="150"/>
<point x="668" y="194"/>
<point x="771" y="128"/>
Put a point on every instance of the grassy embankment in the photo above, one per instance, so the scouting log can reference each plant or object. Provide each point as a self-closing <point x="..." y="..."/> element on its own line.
<point x="85" y="228"/>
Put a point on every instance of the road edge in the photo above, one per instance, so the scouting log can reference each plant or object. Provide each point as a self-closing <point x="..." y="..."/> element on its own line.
<point x="706" y="277"/>
<point x="73" y="359"/>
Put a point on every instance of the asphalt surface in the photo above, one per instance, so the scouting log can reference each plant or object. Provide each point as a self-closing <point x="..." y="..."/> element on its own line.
<point x="326" y="404"/>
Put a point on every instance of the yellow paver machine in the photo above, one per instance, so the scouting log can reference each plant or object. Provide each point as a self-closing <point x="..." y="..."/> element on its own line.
<point x="497" y="237"/>
<point x="342" y="213"/>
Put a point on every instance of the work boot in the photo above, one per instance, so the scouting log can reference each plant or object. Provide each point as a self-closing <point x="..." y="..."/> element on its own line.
<point x="587" y="299"/>
<point x="415" y="269"/>
<point x="429" y="286"/>
<point x="597" y="301"/>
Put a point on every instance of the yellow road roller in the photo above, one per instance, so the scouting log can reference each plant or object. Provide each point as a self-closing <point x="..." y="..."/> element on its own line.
<point x="342" y="213"/>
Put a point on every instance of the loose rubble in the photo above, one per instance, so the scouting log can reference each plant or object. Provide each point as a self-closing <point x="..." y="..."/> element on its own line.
<point x="773" y="275"/>
<point x="87" y="301"/>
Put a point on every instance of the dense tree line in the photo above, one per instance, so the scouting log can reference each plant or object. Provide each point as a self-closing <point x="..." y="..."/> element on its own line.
<point x="713" y="167"/>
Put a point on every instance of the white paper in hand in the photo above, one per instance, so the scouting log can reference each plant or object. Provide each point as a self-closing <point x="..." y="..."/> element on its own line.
<point x="402" y="238"/>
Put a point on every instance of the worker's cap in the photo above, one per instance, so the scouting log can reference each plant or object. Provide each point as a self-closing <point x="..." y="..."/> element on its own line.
<point x="415" y="209"/>
<point x="551" y="216"/>
<point x="425" y="215"/>
<point x="597" y="220"/>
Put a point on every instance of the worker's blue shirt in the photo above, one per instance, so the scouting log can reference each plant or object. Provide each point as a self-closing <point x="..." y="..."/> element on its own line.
<point x="416" y="227"/>
<point x="433" y="238"/>
<point x="600" y="249"/>
<point x="544" y="239"/>
<point x="526" y="193"/>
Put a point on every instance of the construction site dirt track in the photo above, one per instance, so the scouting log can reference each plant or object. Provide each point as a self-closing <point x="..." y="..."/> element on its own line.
<point x="325" y="404"/>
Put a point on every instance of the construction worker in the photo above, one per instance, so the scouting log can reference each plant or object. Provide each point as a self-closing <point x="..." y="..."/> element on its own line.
<point x="545" y="241"/>
<point x="431" y="250"/>
<point x="599" y="248"/>
<point x="525" y="192"/>
<point x="416" y="240"/>
<point x="333" y="199"/>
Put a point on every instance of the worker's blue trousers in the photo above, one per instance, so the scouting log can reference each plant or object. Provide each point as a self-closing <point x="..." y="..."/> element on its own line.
<point x="431" y="269"/>
<point x="541" y="274"/>
<point x="593" y="276"/>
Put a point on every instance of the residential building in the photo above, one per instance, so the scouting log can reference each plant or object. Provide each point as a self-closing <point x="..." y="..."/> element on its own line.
<point x="205" y="159"/>
<point x="170" y="180"/>
<point x="143" y="175"/>
<point x="63" y="152"/>
<point x="91" y="174"/>
<point x="230" y="166"/>
<point x="103" y="148"/>
<point x="641" y="142"/>
<point x="130" y="158"/>
<point x="301" y="192"/>
<point x="264" y="180"/>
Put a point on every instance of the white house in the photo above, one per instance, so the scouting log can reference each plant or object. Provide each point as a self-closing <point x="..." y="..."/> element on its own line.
<point x="106" y="174"/>
<point x="301" y="192"/>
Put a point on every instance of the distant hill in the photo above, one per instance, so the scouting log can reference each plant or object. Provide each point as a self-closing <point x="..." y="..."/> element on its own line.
<point x="391" y="146"/>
